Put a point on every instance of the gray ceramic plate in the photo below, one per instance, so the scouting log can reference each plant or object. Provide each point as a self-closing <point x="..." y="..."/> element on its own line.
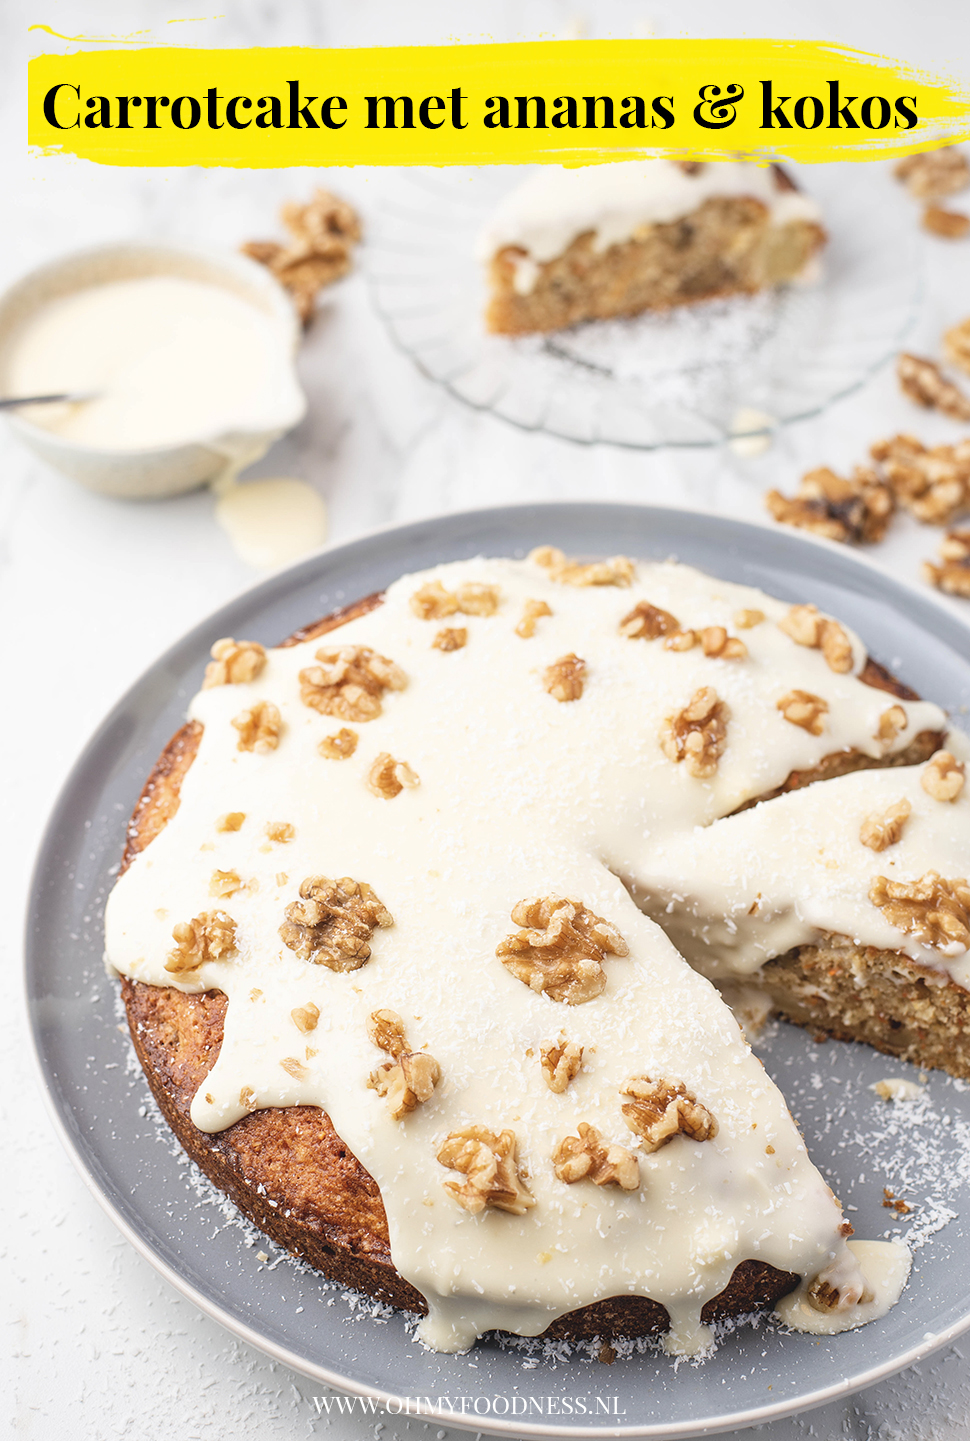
<point x="920" y="1152"/>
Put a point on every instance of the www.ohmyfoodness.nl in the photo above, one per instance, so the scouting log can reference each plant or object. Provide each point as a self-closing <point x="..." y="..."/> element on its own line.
<point x="470" y="1405"/>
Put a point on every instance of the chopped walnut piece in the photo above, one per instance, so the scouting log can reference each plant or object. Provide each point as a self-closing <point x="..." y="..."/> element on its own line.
<point x="450" y="638"/>
<point x="387" y="777"/>
<point x="409" y="1079"/>
<point x="923" y="381"/>
<point x="879" y="832"/>
<point x="857" y="510"/>
<point x="385" y="1029"/>
<point x="488" y="1162"/>
<point x="561" y="950"/>
<point x="617" y="570"/>
<point x="943" y="778"/>
<point x="953" y="575"/>
<point x="934" y="910"/>
<point x="323" y="233"/>
<point x="349" y="682"/>
<point x="697" y="735"/>
<point x="224" y="883"/>
<point x="210" y="936"/>
<point x="231" y="821"/>
<point x="716" y="642"/>
<point x="305" y="1018"/>
<point x="956" y="345"/>
<point x="892" y="723"/>
<point x="332" y="922"/>
<point x="246" y="1096"/>
<point x="801" y="708"/>
<point x="406" y="1083"/>
<point x="565" y="678"/>
<point x="947" y="224"/>
<point x="234" y="662"/>
<point x="802" y="624"/>
<point x="681" y="640"/>
<point x="294" y="1068"/>
<point x="823" y="1296"/>
<point x="748" y="619"/>
<point x="280" y="831"/>
<point x="532" y="611"/>
<point x="934" y="173"/>
<point x="836" y="647"/>
<point x="259" y="728"/>
<point x="806" y="627"/>
<point x="434" y="602"/>
<point x="562" y="1062"/>
<point x="660" y="1110"/>
<point x="338" y="747"/>
<point x="648" y="622"/>
<point x="934" y="484"/>
<point x="584" y="1157"/>
<point x="474" y="598"/>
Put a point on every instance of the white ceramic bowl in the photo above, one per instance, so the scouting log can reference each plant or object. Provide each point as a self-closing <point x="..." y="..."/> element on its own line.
<point x="162" y="470"/>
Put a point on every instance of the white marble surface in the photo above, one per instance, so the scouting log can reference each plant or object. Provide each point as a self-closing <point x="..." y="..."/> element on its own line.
<point x="91" y="590"/>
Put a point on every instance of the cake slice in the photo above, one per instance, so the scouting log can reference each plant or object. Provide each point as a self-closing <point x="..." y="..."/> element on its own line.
<point x="611" y="240"/>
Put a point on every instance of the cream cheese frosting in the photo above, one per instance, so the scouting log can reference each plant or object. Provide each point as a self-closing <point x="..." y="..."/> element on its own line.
<point x="512" y="793"/>
<point x="554" y="206"/>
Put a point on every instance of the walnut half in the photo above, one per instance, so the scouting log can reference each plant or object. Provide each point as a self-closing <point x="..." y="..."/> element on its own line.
<point x="259" y="728"/>
<point x="697" y="735"/>
<point x="349" y="682"/>
<point x="583" y="1157"/>
<point x="488" y="1162"/>
<point x="953" y="576"/>
<point x="856" y="510"/>
<point x="234" y="662"/>
<point x="934" y="910"/>
<point x="660" y="1110"/>
<point x="561" y="952"/>
<point x="210" y="936"/>
<point x="806" y="627"/>
<point x="331" y="924"/>
<point x="802" y="708"/>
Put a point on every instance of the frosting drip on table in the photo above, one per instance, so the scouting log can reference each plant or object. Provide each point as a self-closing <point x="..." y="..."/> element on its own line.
<point x="509" y="792"/>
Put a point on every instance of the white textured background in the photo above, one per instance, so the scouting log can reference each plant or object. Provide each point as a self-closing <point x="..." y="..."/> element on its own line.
<point x="91" y="590"/>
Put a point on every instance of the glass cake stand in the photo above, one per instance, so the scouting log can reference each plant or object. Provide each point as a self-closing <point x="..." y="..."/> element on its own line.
<point x="678" y="378"/>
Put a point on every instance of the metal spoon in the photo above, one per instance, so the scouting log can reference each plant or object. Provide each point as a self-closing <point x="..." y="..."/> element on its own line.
<point x="10" y="402"/>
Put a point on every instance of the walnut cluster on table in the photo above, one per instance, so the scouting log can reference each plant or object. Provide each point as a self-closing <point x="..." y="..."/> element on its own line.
<point x="323" y="233"/>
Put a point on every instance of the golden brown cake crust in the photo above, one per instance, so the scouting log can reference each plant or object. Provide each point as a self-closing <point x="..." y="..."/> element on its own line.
<point x="328" y="1208"/>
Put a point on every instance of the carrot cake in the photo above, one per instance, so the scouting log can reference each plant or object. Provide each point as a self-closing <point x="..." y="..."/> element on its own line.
<point x="403" y="922"/>
<point x="609" y="240"/>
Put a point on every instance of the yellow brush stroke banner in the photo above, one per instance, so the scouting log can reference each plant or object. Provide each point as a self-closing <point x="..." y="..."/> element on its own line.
<point x="567" y="102"/>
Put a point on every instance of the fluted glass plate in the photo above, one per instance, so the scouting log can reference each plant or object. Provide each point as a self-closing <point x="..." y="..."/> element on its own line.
<point x="677" y="378"/>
